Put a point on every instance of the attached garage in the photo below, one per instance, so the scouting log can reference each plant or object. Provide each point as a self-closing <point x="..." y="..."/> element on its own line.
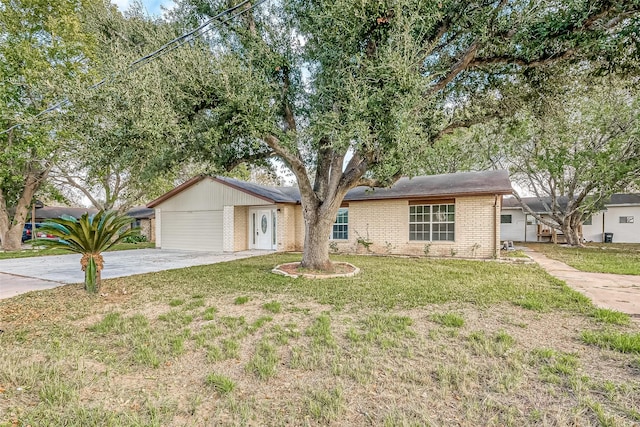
<point x="200" y="231"/>
<point x="214" y="214"/>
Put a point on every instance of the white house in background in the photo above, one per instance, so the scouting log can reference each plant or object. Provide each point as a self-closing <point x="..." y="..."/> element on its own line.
<point x="621" y="216"/>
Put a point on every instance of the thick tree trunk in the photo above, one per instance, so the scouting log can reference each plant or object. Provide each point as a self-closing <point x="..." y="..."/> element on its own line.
<point x="12" y="238"/>
<point x="318" y="225"/>
<point x="570" y="233"/>
<point x="11" y="229"/>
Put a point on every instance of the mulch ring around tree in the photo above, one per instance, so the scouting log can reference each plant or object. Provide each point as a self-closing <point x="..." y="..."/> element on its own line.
<point x="339" y="269"/>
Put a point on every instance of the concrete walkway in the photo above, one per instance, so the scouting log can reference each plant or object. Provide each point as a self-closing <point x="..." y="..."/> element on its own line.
<point x="20" y="275"/>
<point x="619" y="292"/>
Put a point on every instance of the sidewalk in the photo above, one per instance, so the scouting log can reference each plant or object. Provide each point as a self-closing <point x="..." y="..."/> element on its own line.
<point x="619" y="292"/>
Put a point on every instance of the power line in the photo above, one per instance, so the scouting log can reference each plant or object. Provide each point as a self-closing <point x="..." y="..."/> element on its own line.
<point x="162" y="50"/>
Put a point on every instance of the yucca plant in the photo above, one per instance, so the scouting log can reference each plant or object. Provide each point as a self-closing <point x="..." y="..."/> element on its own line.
<point x="90" y="235"/>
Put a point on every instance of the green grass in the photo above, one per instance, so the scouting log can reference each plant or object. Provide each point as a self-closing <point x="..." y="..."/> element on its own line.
<point x="220" y="383"/>
<point x="619" y="341"/>
<point x="273" y="307"/>
<point x="596" y="257"/>
<point x="611" y="317"/>
<point x="27" y="253"/>
<point x="424" y="281"/>
<point x="447" y="319"/>
<point x="241" y="300"/>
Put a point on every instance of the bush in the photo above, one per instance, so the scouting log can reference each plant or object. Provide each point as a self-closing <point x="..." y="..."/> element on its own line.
<point x="136" y="238"/>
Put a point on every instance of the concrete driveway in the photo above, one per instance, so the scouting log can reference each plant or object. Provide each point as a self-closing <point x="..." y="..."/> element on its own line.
<point x="20" y="275"/>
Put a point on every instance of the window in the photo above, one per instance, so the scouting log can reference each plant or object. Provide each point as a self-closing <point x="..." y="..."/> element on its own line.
<point x="626" y="220"/>
<point x="505" y="219"/>
<point x="432" y="222"/>
<point x="531" y="220"/>
<point x="587" y="221"/>
<point x="341" y="226"/>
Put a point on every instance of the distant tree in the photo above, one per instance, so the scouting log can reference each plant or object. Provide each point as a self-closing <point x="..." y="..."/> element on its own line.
<point x="43" y="53"/>
<point x="579" y="144"/>
<point x="355" y="93"/>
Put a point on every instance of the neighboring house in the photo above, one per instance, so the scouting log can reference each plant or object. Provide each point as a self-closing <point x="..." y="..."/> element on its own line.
<point x="519" y="226"/>
<point x="618" y="217"/>
<point x="621" y="216"/>
<point x="45" y="213"/>
<point x="447" y="215"/>
<point x="144" y="218"/>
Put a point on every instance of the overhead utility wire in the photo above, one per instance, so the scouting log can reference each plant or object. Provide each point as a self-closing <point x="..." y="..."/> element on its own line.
<point x="166" y="48"/>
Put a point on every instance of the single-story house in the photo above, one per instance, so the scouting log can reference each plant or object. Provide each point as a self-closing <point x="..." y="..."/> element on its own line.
<point x="620" y="216"/>
<point x="445" y="215"/>
<point x="518" y="225"/>
<point x="617" y="217"/>
<point x="145" y="219"/>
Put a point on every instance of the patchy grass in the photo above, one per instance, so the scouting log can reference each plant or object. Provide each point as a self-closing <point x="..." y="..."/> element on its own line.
<point x="408" y="342"/>
<point x="29" y="252"/>
<point x="616" y="258"/>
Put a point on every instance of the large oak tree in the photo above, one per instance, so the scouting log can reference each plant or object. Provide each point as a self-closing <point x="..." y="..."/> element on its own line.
<point x="352" y="93"/>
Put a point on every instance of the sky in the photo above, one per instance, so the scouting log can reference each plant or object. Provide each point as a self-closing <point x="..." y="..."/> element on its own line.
<point x="152" y="6"/>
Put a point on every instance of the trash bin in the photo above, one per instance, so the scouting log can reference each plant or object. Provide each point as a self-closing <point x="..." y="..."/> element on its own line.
<point x="608" y="237"/>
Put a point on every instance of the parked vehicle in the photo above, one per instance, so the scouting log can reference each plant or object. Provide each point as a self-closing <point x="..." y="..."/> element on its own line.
<point x="27" y="233"/>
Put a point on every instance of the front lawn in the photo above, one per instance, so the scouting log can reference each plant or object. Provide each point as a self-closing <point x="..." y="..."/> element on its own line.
<point x="616" y="258"/>
<point x="407" y="342"/>
<point x="26" y="253"/>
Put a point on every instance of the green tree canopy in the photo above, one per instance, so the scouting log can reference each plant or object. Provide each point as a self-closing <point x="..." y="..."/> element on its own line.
<point x="44" y="51"/>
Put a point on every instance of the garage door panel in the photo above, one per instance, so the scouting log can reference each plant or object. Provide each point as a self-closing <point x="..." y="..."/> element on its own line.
<point x="201" y="230"/>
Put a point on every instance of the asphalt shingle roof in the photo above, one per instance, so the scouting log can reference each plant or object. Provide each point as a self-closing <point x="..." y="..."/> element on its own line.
<point x="464" y="183"/>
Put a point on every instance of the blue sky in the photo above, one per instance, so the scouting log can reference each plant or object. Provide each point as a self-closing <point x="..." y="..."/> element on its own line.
<point x="152" y="6"/>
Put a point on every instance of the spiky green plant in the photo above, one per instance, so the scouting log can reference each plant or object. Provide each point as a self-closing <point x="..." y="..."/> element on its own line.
<point x="90" y="235"/>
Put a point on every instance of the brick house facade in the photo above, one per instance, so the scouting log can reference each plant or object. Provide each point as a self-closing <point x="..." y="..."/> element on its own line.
<point x="441" y="215"/>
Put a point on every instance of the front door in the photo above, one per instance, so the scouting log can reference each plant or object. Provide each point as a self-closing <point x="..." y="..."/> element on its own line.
<point x="263" y="227"/>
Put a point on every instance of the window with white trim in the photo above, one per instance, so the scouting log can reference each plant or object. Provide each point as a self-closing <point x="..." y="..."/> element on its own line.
<point x="626" y="220"/>
<point x="432" y="223"/>
<point x="340" y="229"/>
<point x="505" y="219"/>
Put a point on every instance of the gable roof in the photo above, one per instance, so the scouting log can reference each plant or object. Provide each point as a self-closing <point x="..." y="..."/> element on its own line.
<point x="538" y="205"/>
<point x="141" y="212"/>
<point x="624" y="199"/>
<point x="457" y="184"/>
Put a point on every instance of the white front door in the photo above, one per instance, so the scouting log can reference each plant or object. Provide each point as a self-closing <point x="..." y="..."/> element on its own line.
<point x="264" y="228"/>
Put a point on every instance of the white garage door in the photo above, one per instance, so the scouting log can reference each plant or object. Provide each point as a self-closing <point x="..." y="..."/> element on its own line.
<point x="199" y="231"/>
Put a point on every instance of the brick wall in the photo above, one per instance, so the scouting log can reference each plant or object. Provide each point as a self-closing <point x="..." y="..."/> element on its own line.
<point x="385" y="223"/>
<point x="241" y="228"/>
<point x="286" y="227"/>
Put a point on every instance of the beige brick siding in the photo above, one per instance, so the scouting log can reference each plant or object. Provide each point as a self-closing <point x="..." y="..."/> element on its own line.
<point x="228" y="231"/>
<point x="299" y="238"/>
<point x="286" y="227"/>
<point x="385" y="223"/>
<point x="241" y="228"/>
